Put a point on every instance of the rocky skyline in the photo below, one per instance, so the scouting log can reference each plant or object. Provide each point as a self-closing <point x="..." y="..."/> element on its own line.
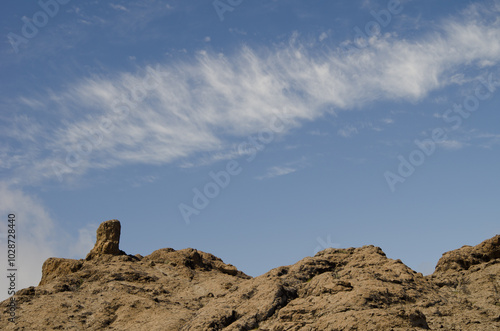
<point x="337" y="289"/>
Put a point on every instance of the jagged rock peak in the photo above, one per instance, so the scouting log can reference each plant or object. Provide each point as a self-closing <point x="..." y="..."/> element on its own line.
<point x="107" y="240"/>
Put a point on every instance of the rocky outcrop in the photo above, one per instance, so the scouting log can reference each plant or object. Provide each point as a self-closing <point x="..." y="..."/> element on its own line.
<point x="107" y="243"/>
<point x="107" y="240"/>
<point x="334" y="290"/>
<point x="467" y="256"/>
<point x="337" y="289"/>
<point x="194" y="260"/>
<point x="56" y="267"/>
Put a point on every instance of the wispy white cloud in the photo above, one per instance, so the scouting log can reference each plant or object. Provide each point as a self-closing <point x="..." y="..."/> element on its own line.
<point x="277" y="171"/>
<point x="79" y="247"/>
<point x="143" y="180"/>
<point x="118" y="7"/>
<point x="464" y="138"/>
<point x="352" y="129"/>
<point x="488" y="140"/>
<point x="34" y="235"/>
<point x="38" y="236"/>
<point x="237" y="31"/>
<point x="451" y="144"/>
<point x="318" y="133"/>
<point x="285" y="169"/>
<point x="461" y="138"/>
<point x="347" y="131"/>
<point x="291" y="147"/>
<point x="203" y="104"/>
<point x="323" y="36"/>
<point x="365" y="4"/>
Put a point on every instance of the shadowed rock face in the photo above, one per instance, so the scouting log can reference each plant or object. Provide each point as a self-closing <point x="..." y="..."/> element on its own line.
<point x="468" y="256"/>
<point x="107" y="240"/>
<point x="337" y="289"/>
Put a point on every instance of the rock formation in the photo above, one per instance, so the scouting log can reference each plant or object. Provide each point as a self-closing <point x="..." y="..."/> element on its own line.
<point x="467" y="256"/>
<point x="337" y="289"/>
<point x="107" y="240"/>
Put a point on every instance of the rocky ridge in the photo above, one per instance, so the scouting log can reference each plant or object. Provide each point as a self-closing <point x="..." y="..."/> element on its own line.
<point x="337" y="289"/>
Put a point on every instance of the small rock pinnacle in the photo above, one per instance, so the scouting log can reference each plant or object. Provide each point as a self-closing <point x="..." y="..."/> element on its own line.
<point x="107" y="241"/>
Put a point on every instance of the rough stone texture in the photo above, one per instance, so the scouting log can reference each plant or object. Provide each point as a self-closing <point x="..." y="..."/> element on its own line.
<point x="337" y="289"/>
<point x="107" y="240"/>
<point x="56" y="267"/>
<point x="467" y="256"/>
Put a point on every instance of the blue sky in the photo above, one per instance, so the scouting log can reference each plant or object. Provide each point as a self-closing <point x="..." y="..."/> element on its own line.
<point x="259" y="131"/>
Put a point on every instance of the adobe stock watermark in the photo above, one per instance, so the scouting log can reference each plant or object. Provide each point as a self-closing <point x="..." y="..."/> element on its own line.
<point x="12" y="265"/>
<point x="221" y="179"/>
<point x="455" y="116"/>
<point x="372" y="28"/>
<point x="40" y="19"/>
<point x="324" y="244"/>
<point x="222" y="7"/>
<point x="120" y="109"/>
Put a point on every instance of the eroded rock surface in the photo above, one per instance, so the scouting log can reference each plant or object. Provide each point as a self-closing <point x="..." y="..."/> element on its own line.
<point x="107" y="240"/>
<point x="467" y="256"/>
<point x="337" y="289"/>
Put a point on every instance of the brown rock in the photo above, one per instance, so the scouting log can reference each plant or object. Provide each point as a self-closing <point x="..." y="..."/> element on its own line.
<point x="337" y="289"/>
<point x="56" y="267"/>
<point x="107" y="240"/>
<point x="467" y="256"/>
